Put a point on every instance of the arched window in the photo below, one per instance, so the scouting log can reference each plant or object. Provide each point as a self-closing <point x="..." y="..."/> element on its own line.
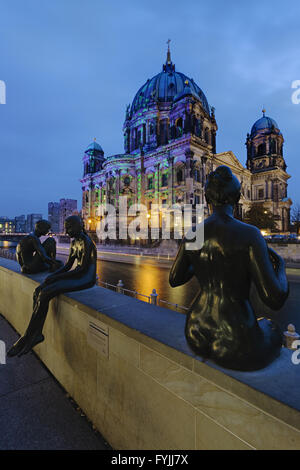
<point x="163" y="131"/>
<point x="179" y="176"/>
<point x="197" y="127"/>
<point x="135" y="133"/>
<point x="164" y="179"/>
<point x="139" y="138"/>
<point x="197" y="175"/>
<point x="261" y="150"/>
<point x="150" y="182"/>
<point x="179" y="127"/>
<point x="207" y="136"/>
<point x="273" y="146"/>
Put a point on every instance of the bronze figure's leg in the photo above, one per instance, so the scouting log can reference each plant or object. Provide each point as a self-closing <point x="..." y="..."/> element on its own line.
<point x="63" y="280"/>
<point x="41" y="298"/>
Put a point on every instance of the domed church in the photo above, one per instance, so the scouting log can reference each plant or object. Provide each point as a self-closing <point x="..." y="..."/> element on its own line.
<point x="170" y="147"/>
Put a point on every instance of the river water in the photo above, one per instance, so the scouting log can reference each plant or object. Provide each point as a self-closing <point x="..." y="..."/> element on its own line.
<point x="142" y="279"/>
<point x="145" y="278"/>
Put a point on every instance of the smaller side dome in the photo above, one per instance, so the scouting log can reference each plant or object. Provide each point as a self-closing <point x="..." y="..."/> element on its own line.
<point x="93" y="158"/>
<point x="94" y="147"/>
<point x="264" y="123"/>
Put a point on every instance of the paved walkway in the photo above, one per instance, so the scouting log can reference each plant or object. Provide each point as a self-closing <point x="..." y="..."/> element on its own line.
<point x="35" y="412"/>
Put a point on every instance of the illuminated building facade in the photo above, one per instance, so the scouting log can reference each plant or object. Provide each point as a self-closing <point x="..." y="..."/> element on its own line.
<point x="170" y="147"/>
<point x="7" y="225"/>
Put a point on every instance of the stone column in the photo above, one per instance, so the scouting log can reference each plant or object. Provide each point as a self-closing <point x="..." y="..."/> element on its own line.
<point x="267" y="191"/>
<point x="118" y="182"/>
<point x="137" y="178"/>
<point x="171" y="179"/>
<point x="203" y="181"/>
<point x="157" y="182"/>
<point x="90" y="198"/>
<point x="189" y="176"/>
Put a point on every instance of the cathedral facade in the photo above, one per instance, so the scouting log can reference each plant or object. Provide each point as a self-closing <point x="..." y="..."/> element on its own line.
<point x="169" y="149"/>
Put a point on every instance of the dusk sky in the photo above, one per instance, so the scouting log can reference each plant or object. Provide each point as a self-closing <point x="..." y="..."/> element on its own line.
<point x="72" y="66"/>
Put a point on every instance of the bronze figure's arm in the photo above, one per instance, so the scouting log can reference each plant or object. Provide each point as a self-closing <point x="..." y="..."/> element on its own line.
<point x="182" y="270"/>
<point x="38" y="247"/>
<point x="65" y="268"/>
<point x="268" y="273"/>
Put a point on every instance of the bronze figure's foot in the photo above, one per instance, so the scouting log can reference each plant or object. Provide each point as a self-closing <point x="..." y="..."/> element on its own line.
<point x="24" y="345"/>
<point x="25" y="270"/>
<point x="30" y="343"/>
<point x="17" y="347"/>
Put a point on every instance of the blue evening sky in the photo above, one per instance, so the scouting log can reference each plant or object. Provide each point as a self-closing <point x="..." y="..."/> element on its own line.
<point x="72" y="66"/>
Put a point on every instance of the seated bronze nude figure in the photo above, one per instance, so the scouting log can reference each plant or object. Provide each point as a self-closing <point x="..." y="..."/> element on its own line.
<point x="221" y="324"/>
<point x="34" y="256"/>
<point x="82" y="250"/>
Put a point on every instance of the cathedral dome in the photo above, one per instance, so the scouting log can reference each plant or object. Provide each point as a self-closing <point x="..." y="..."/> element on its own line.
<point x="263" y="123"/>
<point x="167" y="86"/>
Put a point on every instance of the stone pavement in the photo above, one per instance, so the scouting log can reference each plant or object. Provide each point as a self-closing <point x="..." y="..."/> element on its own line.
<point x="35" y="412"/>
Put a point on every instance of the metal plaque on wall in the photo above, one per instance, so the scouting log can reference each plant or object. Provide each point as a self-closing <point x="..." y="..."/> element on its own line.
<point x="97" y="336"/>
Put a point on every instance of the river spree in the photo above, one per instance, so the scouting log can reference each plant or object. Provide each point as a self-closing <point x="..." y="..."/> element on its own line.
<point x="144" y="278"/>
<point x="140" y="278"/>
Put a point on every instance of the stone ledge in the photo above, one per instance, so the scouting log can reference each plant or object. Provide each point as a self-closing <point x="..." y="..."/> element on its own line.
<point x="147" y="351"/>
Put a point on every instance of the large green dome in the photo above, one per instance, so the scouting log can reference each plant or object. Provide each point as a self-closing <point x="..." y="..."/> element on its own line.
<point x="166" y="86"/>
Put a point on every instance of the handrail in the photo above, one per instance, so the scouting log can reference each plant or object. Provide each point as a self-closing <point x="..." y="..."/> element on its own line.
<point x="152" y="298"/>
<point x="122" y="290"/>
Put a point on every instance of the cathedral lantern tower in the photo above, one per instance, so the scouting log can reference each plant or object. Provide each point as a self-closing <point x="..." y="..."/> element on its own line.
<point x="268" y="168"/>
<point x="93" y="160"/>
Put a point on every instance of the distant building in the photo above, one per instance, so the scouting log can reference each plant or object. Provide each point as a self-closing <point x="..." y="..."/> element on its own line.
<point x="53" y="216"/>
<point x="7" y="225"/>
<point x="31" y="221"/>
<point x="2" y="224"/>
<point x="67" y="207"/>
<point x="20" y="224"/>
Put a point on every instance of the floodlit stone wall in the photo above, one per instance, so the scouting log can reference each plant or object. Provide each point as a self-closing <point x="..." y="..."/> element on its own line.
<point x="289" y="251"/>
<point x="127" y="365"/>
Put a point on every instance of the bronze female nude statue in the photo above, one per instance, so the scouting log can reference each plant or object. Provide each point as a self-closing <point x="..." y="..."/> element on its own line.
<point x="221" y="324"/>
<point x="82" y="250"/>
<point x="34" y="256"/>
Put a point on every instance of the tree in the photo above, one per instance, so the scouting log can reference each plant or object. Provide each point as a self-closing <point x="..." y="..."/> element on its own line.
<point x="261" y="217"/>
<point x="295" y="216"/>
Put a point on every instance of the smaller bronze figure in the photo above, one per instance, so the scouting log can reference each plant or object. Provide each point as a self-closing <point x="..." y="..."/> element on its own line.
<point x="34" y="256"/>
<point x="82" y="250"/>
<point x="221" y="324"/>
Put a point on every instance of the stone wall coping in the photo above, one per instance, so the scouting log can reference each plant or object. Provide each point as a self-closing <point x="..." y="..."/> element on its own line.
<point x="274" y="389"/>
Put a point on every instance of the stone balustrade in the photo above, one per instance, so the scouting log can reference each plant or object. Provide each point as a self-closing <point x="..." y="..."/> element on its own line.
<point x="128" y="366"/>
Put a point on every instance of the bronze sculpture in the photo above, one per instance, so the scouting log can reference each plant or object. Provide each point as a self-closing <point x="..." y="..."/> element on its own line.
<point x="82" y="250"/>
<point x="34" y="256"/>
<point x="221" y="324"/>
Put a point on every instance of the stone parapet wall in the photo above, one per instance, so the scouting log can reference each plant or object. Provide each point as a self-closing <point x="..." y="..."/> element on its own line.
<point x="127" y="365"/>
<point x="289" y="252"/>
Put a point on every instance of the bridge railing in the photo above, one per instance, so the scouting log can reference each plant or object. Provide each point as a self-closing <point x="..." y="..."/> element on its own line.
<point x="151" y="299"/>
<point x="4" y="253"/>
